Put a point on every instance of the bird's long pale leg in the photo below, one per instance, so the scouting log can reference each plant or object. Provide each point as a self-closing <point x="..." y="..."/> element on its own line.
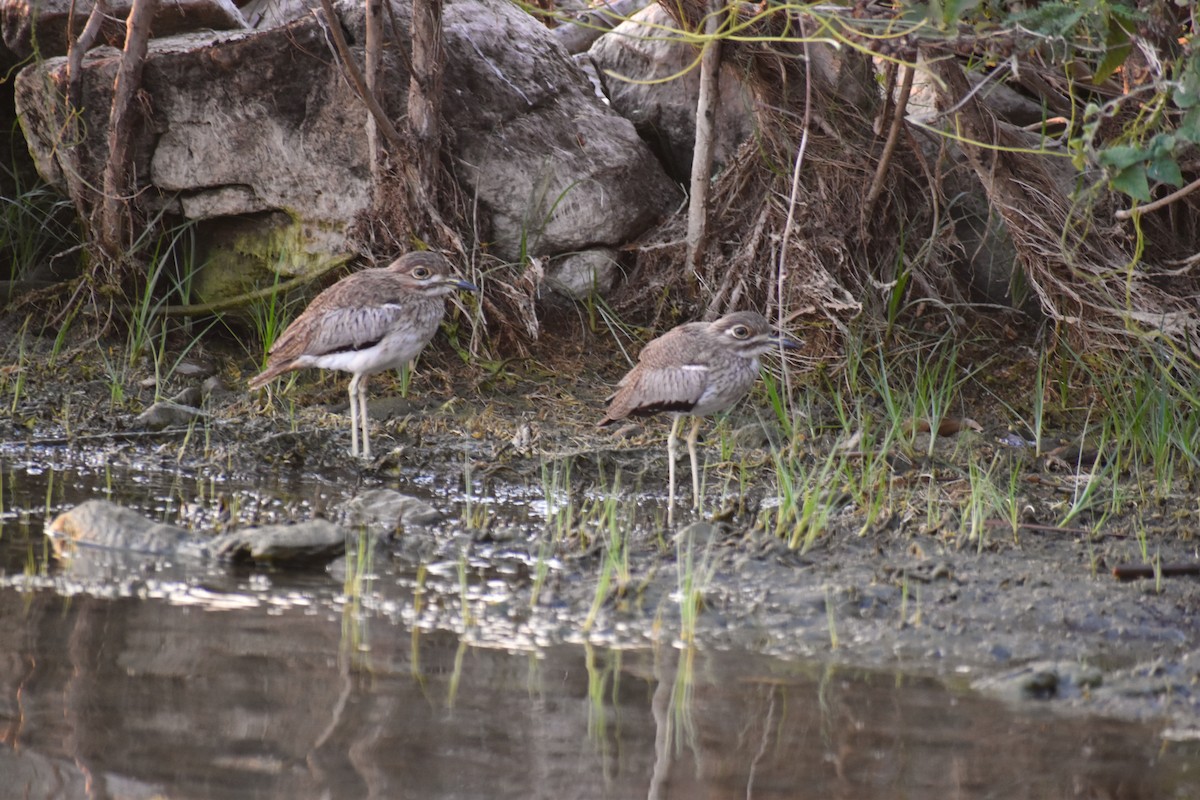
<point x="672" y="439"/>
<point x="693" y="436"/>
<point x="363" y="418"/>
<point x="354" y="414"/>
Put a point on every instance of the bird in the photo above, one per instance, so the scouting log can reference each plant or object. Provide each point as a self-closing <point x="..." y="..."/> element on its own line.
<point x="694" y="369"/>
<point x="368" y="322"/>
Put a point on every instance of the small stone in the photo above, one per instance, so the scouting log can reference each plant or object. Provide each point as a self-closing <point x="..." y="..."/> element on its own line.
<point x="389" y="509"/>
<point x="309" y="542"/>
<point x="212" y="385"/>
<point x="580" y="275"/>
<point x="191" y="396"/>
<point x="167" y="414"/>
<point x="194" y="369"/>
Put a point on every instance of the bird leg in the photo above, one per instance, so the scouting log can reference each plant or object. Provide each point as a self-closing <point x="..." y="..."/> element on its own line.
<point x="363" y="418"/>
<point x="354" y="414"/>
<point x="672" y="438"/>
<point x="691" y="441"/>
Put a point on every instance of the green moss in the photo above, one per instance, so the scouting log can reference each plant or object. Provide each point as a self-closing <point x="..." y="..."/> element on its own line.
<point x="252" y="252"/>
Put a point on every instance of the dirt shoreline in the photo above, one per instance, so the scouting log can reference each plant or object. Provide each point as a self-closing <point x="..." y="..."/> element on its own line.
<point x="1031" y="617"/>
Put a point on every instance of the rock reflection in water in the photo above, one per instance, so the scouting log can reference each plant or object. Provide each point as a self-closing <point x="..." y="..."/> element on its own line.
<point x="134" y="698"/>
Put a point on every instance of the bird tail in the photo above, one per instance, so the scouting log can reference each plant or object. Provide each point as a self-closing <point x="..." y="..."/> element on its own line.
<point x="262" y="378"/>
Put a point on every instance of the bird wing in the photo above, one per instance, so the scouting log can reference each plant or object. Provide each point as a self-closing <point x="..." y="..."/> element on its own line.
<point x="670" y="376"/>
<point x="649" y="390"/>
<point x="353" y="313"/>
<point x="344" y="329"/>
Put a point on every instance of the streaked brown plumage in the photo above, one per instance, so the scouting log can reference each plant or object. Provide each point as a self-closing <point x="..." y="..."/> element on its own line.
<point x="370" y="321"/>
<point x="693" y="370"/>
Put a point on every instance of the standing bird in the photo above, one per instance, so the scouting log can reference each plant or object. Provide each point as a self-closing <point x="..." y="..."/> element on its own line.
<point x="370" y="321"/>
<point x="692" y="370"/>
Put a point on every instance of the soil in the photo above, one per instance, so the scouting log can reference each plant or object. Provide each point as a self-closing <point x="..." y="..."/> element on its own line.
<point x="1032" y="614"/>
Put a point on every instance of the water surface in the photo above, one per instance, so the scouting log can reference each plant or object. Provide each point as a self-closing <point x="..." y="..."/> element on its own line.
<point x="210" y="683"/>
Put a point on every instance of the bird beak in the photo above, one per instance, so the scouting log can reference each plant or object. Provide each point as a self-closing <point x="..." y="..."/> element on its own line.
<point x="466" y="286"/>
<point x="787" y="342"/>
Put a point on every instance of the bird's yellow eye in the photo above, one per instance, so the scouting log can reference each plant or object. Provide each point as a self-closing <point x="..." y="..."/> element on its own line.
<point x="739" y="331"/>
<point x="421" y="272"/>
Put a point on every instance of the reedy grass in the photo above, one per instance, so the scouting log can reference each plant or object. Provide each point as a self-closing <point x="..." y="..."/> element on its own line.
<point x="694" y="571"/>
<point x="476" y="515"/>
<point x="20" y="369"/>
<point x="36" y="222"/>
<point x="360" y="577"/>
<point x="851" y="433"/>
<point x="608" y="519"/>
<point x="604" y="681"/>
<point x="269" y="316"/>
<point x="559" y="499"/>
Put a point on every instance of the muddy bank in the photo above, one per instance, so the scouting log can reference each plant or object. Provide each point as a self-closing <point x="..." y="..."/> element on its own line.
<point x="551" y="531"/>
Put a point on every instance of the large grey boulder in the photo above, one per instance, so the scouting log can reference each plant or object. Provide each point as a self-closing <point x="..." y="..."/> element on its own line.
<point x="40" y="26"/>
<point x="257" y="137"/>
<point x="556" y="168"/>
<point x="253" y="136"/>
<point x="636" y="57"/>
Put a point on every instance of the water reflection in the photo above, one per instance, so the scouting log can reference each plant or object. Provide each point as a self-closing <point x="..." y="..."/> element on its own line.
<point x="211" y="683"/>
<point x="134" y="698"/>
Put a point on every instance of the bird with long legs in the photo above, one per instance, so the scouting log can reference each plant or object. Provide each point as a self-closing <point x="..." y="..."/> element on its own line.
<point x="368" y="322"/>
<point x="695" y="369"/>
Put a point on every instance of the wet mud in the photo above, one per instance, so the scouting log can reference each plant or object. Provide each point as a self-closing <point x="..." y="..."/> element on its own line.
<point x="549" y="531"/>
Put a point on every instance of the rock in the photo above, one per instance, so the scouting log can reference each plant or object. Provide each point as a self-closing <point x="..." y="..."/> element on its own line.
<point x="665" y="113"/>
<point x="758" y="435"/>
<point x="167" y="414"/>
<point x="212" y="385"/>
<point x="23" y="21"/>
<point x="195" y="368"/>
<point x="104" y="525"/>
<point x="703" y="533"/>
<point x="580" y="275"/>
<point x="1042" y="680"/>
<point x="315" y="541"/>
<point x="263" y="14"/>
<point x="274" y="178"/>
<point x="256" y="138"/>
<point x="588" y="22"/>
<point x="388" y="509"/>
<point x="558" y="170"/>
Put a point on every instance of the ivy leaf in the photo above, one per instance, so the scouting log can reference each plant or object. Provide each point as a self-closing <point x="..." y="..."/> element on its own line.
<point x="1189" y="128"/>
<point x="1187" y="90"/>
<point x="1166" y="170"/>
<point x="1122" y="156"/>
<point x="1163" y="144"/>
<point x="1132" y="181"/>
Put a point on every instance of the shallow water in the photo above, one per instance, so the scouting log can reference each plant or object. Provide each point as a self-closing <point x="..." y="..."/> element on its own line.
<point x="211" y="683"/>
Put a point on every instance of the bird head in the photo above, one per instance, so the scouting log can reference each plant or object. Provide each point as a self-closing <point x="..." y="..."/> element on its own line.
<point x="429" y="273"/>
<point x="749" y="334"/>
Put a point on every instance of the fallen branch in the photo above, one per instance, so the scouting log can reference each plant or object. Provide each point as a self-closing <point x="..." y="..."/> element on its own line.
<point x="78" y="49"/>
<point x="204" y="309"/>
<point x="1032" y="526"/>
<point x="425" y="92"/>
<point x="1129" y="213"/>
<point x="1133" y="572"/>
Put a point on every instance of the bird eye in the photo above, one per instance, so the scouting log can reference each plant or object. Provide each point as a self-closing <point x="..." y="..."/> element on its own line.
<point x="739" y="331"/>
<point x="421" y="272"/>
